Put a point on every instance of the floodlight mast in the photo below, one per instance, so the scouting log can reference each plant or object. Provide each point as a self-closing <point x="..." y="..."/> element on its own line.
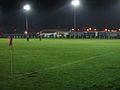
<point x="27" y="8"/>
<point x="75" y="3"/>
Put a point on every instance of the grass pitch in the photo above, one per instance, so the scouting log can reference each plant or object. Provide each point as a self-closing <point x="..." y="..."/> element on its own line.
<point x="59" y="64"/>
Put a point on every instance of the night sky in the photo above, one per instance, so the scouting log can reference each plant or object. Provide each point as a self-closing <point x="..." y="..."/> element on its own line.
<point x="59" y="13"/>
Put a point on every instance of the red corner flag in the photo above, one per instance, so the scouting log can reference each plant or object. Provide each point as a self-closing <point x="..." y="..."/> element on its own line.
<point x="10" y="40"/>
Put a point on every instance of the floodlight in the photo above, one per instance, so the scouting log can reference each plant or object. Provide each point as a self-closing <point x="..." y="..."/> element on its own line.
<point x="27" y="7"/>
<point x="75" y="3"/>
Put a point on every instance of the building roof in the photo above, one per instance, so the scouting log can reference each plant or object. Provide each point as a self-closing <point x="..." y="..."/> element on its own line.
<point x="55" y="30"/>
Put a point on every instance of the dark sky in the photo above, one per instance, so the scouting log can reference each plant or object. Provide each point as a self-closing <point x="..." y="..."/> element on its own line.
<point x="59" y="13"/>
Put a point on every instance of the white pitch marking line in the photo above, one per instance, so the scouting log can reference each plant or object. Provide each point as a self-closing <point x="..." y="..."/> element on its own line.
<point x="75" y="62"/>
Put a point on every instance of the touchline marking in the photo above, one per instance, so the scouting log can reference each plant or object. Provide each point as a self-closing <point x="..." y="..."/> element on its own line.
<point x="75" y="62"/>
<point x="64" y="65"/>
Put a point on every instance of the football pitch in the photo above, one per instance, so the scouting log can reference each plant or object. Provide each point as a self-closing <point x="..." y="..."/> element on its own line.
<point x="60" y="64"/>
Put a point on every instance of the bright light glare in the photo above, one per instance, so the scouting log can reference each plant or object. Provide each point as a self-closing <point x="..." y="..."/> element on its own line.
<point x="105" y="29"/>
<point x="27" y="7"/>
<point x="26" y="32"/>
<point x="72" y="29"/>
<point x="75" y="3"/>
<point x="95" y="29"/>
<point x="90" y="28"/>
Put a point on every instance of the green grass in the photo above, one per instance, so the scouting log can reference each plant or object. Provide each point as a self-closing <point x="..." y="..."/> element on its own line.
<point x="59" y="64"/>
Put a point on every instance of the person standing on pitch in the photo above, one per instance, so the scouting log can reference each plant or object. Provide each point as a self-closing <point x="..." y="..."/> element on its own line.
<point x="28" y="38"/>
<point x="40" y="37"/>
<point x="0" y="38"/>
<point x="10" y="40"/>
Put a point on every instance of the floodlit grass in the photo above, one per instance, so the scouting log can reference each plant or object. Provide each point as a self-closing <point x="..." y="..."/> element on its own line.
<point x="59" y="64"/>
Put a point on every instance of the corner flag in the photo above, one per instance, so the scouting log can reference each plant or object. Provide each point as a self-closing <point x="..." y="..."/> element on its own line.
<point x="10" y="40"/>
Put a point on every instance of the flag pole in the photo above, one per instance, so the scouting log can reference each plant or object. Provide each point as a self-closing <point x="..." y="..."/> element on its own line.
<point x="11" y="55"/>
<point x="11" y="62"/>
